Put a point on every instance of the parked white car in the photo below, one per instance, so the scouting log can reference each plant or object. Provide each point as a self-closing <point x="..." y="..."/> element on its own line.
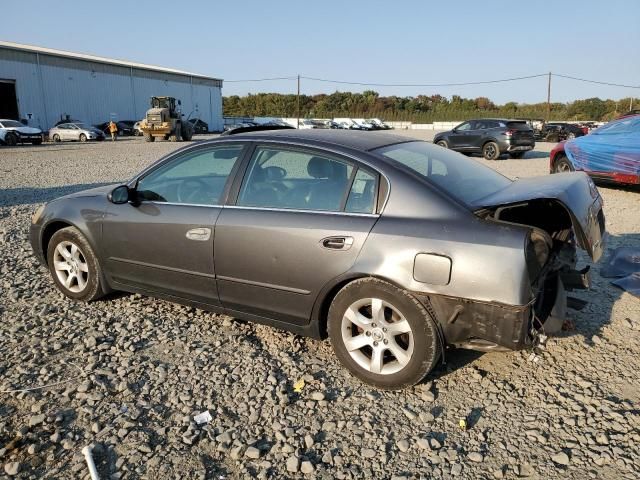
<point x="137" y="131"/>
<point x="13" y="132"/>
<point x="75" y="131"/>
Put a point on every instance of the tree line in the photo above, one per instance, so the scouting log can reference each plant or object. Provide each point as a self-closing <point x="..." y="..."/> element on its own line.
<point x="419" y="109"/>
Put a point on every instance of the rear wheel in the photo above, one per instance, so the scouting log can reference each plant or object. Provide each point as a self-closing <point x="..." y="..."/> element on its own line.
<point x="11" y="139"/>
<point x="442" y="143"/>
<point x="562" y="164"/>
<point x="382" y="334"/>
<point x="516" y="154"/>
<point x="187" y="133"/>
<point x="491" y="151"/>
<point x="149" y="138"/>
<point x="56" y="138"/>
<point x="83" y="137"/>
<point x="73" y="265"/>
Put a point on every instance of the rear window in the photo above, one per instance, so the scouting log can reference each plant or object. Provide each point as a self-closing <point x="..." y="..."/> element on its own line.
<point x="459" y="176"/>
<point x="518" y="126"/>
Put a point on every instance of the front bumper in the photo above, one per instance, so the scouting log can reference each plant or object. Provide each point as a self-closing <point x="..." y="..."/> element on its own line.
<point x="35" y="239"/>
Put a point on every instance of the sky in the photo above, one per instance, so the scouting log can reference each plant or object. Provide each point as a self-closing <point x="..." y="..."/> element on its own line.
<point x="389" y="42"/>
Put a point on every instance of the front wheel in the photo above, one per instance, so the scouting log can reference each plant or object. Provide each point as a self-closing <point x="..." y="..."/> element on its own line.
<point x="563" y="165"/>
<point x="382" y="334"/>
<point x="56" y="138"/>
<point x="83" y="137"/>
<point x="149" y="138"/>
<point x="11" y="140"/>
<point x="491" y="151"/>
<point x="74" y="266"/>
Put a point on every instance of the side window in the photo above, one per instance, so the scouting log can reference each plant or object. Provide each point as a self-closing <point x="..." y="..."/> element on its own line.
<point x="280" y="178"/>
<point x="192" y="178"/>
<point x="362" y="197"/>
<point x="464" y="127"/>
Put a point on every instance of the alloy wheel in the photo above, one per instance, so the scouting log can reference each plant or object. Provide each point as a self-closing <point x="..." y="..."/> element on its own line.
<point x="377" y="336"/>
<point x="71" y="266"/>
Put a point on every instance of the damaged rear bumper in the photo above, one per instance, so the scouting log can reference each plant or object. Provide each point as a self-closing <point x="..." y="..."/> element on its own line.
<point x="492" y="326"/>
<point x="484" y="326"/>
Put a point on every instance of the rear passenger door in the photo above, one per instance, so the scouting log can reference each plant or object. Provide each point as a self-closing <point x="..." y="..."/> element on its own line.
<point x="299" y="220"/>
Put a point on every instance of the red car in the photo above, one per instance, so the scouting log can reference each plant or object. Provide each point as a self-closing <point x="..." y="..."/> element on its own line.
<point x="611" y="152"/>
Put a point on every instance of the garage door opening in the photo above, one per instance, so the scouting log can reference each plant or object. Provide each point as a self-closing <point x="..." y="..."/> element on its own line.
<point x="8" y="100"/>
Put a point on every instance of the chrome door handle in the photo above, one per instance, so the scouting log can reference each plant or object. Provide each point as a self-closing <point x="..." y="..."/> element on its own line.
<point x="337" y="243"/>
<point x="199" y="234"/>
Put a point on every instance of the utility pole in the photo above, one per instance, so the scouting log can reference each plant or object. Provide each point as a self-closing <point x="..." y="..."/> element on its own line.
<point x="549" y="97"/>
<point x="298" y="104"/>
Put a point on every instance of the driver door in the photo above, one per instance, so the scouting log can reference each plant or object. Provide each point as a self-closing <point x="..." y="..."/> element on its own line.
<point x="164" y="242"/>
<point x="458" y="137"/>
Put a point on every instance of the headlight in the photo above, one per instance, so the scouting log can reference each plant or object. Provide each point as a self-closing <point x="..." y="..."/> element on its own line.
<point x="37" y="214"/>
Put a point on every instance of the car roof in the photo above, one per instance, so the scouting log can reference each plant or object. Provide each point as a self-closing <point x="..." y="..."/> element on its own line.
<point x="499" y="119"/>
<point x="356" y="140"/>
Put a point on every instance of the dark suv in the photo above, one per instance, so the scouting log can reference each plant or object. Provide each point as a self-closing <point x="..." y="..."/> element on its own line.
<point x="491" y="137"/>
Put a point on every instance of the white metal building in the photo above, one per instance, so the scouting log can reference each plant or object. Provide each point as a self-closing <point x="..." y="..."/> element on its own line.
<point x="44" y="86"/>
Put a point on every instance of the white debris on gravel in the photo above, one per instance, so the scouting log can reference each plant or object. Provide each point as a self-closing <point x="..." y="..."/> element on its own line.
<point x="149" y="369"/>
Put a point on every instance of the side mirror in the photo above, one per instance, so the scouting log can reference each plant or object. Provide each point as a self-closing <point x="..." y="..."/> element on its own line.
<point x="119" y="195"/>
<point x="454" y="130"/>
<point x="179" y="102"/>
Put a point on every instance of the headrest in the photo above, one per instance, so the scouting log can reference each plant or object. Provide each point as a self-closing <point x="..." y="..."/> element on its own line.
<point x="319" y="167"/>
<point x="275" y="173"/>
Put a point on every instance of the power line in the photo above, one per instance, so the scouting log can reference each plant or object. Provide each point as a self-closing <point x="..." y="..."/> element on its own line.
<point x="595" y="81"/>
<point x="261" y="79"/>
<point x="453" y="84"/>
<point x="424" y="84"/>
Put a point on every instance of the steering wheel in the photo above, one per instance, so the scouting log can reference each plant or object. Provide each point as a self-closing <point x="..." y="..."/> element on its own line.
<point x="191" y="189"/>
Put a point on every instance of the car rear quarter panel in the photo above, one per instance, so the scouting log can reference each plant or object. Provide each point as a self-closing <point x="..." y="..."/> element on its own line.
<point x="487" y="258"/>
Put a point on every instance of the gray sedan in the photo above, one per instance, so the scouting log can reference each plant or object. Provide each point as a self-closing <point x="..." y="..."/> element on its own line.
<point x="393" y="248"/>
<point x="80" y="132"/>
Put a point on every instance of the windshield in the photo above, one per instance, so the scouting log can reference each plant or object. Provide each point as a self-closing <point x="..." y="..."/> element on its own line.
<point x="459" y="176"/>
<point x="11" y="124"/>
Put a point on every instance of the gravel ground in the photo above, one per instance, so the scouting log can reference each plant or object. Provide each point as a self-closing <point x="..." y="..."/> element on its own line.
<point x="136" y="370"/>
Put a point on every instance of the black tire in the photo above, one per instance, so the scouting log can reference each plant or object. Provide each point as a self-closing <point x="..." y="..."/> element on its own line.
<point x="37" y="141"/>
<point x="56" y="138"/>
<point x="562" y="165"/>
<point x="426" y="342"/>
<point x="187" y="133"/>
<point x="176" y="136"/>
<point x="516" y="154"/>
<point x="149" y="138"/>
<point x="82" y="137"/>
<point x="491" y="151"/>
<point x="93" y="288"/>
<point x="442" y="143"/>
<point x="10" y="139"/>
